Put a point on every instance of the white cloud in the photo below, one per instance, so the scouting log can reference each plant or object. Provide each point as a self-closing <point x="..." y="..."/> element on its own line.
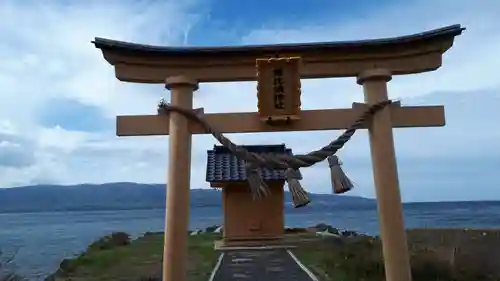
<point x="48" y="55"/>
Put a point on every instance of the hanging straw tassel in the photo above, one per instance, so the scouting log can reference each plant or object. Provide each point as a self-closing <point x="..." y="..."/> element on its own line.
<point x="258" y="187"/>
<point x="299" y="195"/>
<point x="340" y="182"/>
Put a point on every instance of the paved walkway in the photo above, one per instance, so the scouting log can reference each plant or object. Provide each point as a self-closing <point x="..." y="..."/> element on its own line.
<point x="259" y="265"/>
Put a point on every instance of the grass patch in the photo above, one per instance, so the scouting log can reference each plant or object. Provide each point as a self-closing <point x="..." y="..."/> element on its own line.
<point x="121" y="259"/>
<point x="435" y="254"/>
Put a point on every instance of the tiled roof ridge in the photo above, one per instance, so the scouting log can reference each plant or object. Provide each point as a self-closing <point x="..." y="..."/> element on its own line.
<point x="223" y="166"/>
<point x="257" y="148"/>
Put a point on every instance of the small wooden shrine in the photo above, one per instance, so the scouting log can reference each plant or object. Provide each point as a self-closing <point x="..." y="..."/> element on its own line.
<point x="247" y="219"/>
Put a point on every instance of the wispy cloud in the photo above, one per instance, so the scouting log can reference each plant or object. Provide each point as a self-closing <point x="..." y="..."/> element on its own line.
<point x="59" y="97"/>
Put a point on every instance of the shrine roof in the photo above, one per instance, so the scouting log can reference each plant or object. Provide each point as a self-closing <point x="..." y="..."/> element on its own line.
<point x="143" y="49"/>
<point x="223" y="166"/>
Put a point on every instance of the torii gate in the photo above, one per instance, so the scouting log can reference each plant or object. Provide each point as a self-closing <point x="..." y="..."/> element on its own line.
<point x="373" y="62"/>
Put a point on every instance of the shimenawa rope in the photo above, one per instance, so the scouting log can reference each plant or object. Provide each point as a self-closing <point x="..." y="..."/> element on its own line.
<point x="289" y="163"/>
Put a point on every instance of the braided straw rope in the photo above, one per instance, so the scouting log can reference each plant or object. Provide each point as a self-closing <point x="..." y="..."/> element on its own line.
<point x="290" y="163"/>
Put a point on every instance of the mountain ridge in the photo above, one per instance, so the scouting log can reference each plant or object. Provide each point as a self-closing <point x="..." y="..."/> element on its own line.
<point x="126" y="195"/>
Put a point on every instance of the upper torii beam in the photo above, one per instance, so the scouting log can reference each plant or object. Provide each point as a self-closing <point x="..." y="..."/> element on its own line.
<point x="373" y="62"/>
<point x="409" y="54"/>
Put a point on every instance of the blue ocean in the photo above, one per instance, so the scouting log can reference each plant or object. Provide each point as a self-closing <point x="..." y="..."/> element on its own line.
<point x="42" y="239"/>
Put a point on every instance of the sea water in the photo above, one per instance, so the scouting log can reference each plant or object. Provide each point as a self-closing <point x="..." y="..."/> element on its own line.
<point x="41" y="240"/>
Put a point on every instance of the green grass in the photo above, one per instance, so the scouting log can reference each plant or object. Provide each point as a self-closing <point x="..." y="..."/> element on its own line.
<point x="139" y="260"/>
<point x="435" y="254"/>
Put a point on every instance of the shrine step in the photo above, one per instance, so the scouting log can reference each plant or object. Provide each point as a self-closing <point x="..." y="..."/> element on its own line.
<point x="286" y="241"/>
<point x="240" y="244"/>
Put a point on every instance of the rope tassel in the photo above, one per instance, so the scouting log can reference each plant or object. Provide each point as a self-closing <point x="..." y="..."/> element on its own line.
<point x="340" y="182"/>
<point x="258" y="187"/>
<point x="299" y="195"/>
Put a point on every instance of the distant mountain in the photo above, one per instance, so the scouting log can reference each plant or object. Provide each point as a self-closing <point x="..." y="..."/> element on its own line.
<point x="119" y="196"/>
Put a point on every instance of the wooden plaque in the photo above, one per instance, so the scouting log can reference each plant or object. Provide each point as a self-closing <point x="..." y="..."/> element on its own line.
<point x="278" y="89"/>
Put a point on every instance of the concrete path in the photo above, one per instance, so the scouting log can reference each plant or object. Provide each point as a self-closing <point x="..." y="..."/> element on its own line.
<point x="259" y="265"/>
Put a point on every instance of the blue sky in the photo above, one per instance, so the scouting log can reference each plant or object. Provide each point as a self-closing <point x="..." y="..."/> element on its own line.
<point x="59" y="97"/>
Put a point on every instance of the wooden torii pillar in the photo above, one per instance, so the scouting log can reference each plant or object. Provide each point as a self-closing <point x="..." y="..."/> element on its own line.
<point x="373" y="62"/>
<point x="179" y="173"/>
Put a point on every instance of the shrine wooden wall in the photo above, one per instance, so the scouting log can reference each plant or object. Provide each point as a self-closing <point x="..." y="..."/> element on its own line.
<point x="246" y="219"/>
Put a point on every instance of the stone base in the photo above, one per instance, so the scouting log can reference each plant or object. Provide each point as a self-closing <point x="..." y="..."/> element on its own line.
<point x="284" y="241"/>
